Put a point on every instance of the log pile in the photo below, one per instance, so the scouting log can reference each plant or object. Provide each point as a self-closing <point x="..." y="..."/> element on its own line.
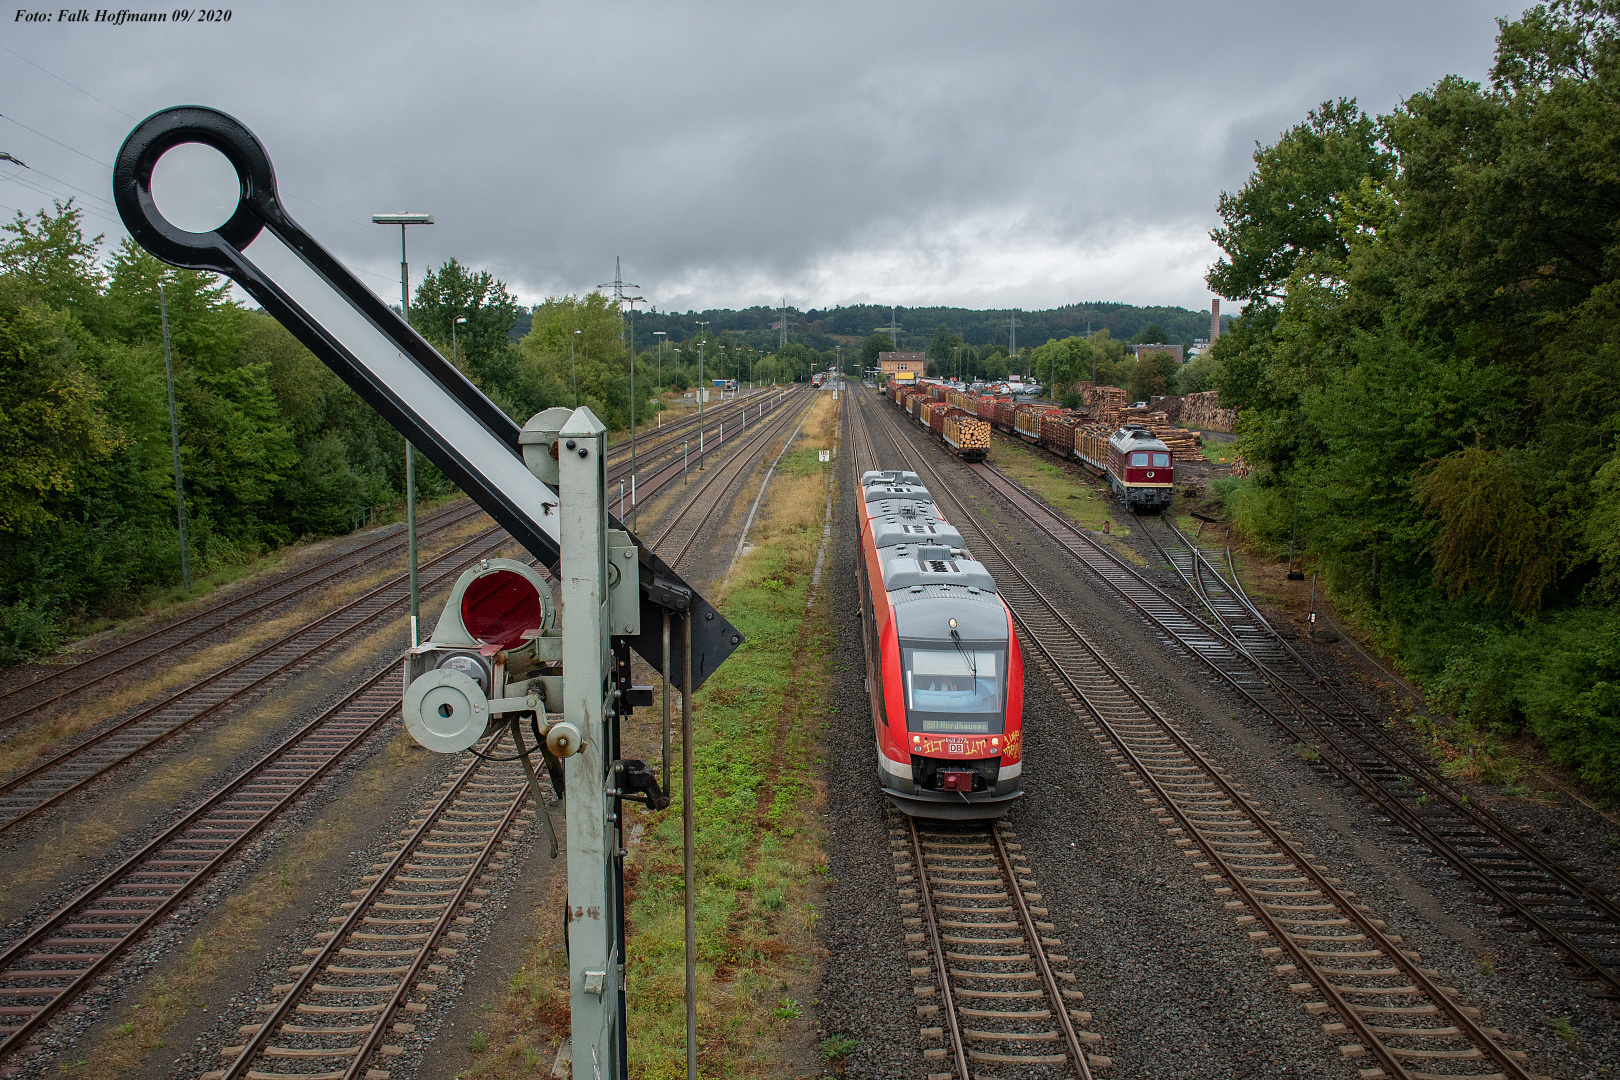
<point x="1170" y="405"/>
<point x="1184" y="445"/>
<point x="1203" y="410"/>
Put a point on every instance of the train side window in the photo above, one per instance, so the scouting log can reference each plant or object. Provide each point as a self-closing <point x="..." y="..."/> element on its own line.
<point x="1139" y="458"/>
<point x="1161" y="461"/>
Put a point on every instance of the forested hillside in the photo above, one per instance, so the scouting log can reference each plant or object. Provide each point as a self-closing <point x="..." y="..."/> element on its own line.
<point x="1429" y="370"/>
<point x="759" y="327"/>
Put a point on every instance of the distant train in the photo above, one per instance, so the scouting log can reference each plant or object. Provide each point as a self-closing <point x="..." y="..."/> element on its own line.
<point x="815" y="380"/>
<point x="1137" y="465"/>
<point x="943" y="668"/>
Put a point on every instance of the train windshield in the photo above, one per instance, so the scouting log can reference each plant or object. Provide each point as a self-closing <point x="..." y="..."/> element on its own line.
<point x="1161" y="461"/>
<point x="955" y="690"/>
<point x="1140" y="458"/>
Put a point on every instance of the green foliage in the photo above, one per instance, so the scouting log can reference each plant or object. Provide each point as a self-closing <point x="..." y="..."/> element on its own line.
<point x="54" y="430"/>
<point x="1288" y="211"/>
<point x="1429" y="374"/>
<point x="872" y="346"/>
<point x="1197" y="375"/>
<point x="1151" y="374"/>
<point x="1492" y="537"/>
<point x="480" y="345"/>
<point x="837" y="1047"/>
<point x="27" y="632"/>
<point x="52" y="256"/>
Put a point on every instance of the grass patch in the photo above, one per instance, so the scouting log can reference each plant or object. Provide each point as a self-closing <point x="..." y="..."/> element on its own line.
<point x="1219" y="453"/>
<point x="1064" y="490"/>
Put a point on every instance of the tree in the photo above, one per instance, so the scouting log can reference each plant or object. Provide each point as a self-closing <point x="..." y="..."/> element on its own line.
<point x="874" y="344"/>
<point x="54" y="428"/>
<point x="51" y="254"/>
<point x="235" y="445"/>
<point x="453" y="292"/>
<point x="1289" y="210"/>
<point x="943" y="347"/>
<point x="551" y="354"/>
<point x="1152" y="333"/>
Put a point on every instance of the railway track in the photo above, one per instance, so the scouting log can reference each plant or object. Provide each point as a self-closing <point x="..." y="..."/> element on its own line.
<point x="337" y="1016"/>
<point x="1001" y="996"/>
<point x="675" y="539"/>
<point x="25" y="796"/>
<point x="1240" y="647"/>
<point x="337" y="1019"/>
<point x="1550" y="898"/>
<point x="42" y="786"/>
<point x="60" y="683"/>
<point x="64" y="955"/>
<point x="93" y="929"/>
<point x="1389" y="1007"/>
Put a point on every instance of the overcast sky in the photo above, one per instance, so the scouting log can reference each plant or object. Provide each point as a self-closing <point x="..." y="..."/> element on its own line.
<point x="974" y="154"/>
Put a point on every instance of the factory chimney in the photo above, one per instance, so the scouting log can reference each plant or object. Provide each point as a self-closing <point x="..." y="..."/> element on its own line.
<point x="1214" y="320"/>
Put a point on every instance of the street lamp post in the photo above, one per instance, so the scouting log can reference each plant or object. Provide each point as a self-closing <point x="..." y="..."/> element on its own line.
<point x="455" y="357"/>
<point x="701" y="343"/>
<point x="573" y="369"/>
<point x="402" y="220"/>
<point x="659" y="334"/>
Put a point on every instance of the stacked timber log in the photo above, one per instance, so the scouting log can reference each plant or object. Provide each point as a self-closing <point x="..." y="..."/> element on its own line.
<point x="1169" y="404"/>
<point x="1057" y="432"/>
<point x="1203" y="410"/>
<point x="1107" y="403"/>
<point x="968" y="434"/>
<point x="1091" y="443"/>
<point x="1027" y="420"/>
<point x="1184" y="445"/>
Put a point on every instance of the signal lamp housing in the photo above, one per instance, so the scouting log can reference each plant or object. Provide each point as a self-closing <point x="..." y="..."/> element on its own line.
<point x="458" y="685"/>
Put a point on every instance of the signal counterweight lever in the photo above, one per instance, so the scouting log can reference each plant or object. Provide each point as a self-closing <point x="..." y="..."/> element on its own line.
<point x="637" y="783"/>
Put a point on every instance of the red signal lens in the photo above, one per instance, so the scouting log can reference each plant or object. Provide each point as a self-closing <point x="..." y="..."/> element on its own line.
<point x="499" y="606"/>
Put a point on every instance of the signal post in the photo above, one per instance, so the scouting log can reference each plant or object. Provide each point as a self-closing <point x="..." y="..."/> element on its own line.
<point x="595" y="868"/>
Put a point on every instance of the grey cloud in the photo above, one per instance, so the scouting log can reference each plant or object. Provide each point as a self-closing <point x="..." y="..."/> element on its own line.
<point x="732" y="153"/>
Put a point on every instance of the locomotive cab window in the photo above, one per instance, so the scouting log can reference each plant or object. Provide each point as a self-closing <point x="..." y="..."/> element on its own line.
<point x="1139" y="459"/>
<point x="1161" y="461"/>
<point x="955" y="691"/>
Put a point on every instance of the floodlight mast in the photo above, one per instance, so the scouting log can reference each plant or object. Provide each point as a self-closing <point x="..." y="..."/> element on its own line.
<point x="298" y="282"/>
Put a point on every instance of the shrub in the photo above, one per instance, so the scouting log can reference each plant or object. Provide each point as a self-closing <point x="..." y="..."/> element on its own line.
<point x="27" y="631"/>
